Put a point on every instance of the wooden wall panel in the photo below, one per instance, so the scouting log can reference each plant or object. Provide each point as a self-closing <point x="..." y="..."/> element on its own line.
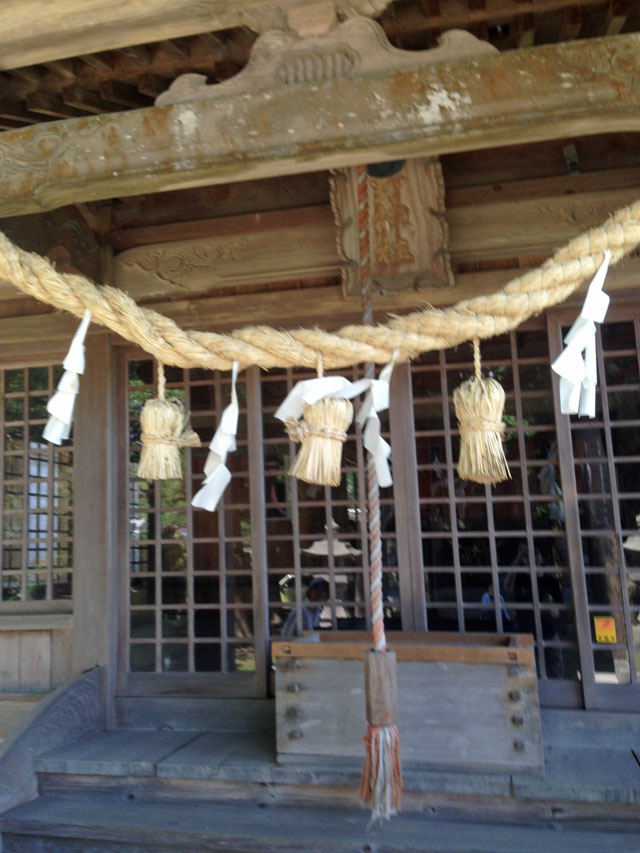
<point x="36" y="660"/>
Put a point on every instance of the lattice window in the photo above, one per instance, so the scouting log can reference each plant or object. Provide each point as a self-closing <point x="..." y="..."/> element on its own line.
<point x="36" y="492"/>
<point x="191" y="582"/>
<point x="300" y="516"/>
<point x="606" y="453"/>
<point x="496" y="557"/>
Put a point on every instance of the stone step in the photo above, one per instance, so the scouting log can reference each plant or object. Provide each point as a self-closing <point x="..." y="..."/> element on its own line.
<point x="14" y="707"/>
<point x="58" y="825"/>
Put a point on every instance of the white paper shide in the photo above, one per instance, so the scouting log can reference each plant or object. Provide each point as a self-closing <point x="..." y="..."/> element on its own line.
<point x="310" y="391"/>
<point x="217" y="475"/>
<point x="577" y="363"/>
<point x="61" y="405"/>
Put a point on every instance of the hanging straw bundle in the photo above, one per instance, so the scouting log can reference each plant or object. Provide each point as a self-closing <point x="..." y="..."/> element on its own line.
<point x="322" y="431"/>
<point x="165" y="429"/>
<point x="479" y="404"/>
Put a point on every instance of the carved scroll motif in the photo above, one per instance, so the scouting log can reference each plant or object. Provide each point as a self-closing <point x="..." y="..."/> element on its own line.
<point x="173" y="266"/>
<point x="356" y="47"/>
<point x="408" y="227"/>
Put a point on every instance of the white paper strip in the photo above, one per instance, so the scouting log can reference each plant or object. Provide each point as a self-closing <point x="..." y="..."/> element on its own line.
<point x="61" y="405"/>
<point x="217" y="475"/>
<point x="578" y="374"/>
<point x="377" y="400"/>
<point x="310" y="391"/>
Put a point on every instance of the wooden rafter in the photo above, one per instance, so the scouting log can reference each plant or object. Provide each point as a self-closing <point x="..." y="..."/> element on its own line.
<point x="34" y="32"/>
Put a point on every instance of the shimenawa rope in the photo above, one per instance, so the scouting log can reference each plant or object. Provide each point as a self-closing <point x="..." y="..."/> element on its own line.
<point x="412" y="334"/>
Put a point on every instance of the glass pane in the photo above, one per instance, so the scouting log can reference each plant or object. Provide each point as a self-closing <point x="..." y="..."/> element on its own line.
<point x="142" y="624"/>
<point x="39" y="379"/>
<point x="207" y="657"/>
<point x="175" y="657"/>
<point x="142" y="657"/>
<point x="174" y="623"/>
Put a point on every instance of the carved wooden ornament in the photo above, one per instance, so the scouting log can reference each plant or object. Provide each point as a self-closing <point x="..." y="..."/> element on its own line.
<point x="409" y="235"/>
<point x="357" y="47"/>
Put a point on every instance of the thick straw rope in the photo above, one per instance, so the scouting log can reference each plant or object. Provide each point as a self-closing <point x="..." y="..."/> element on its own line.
<point x="421" y="331"/>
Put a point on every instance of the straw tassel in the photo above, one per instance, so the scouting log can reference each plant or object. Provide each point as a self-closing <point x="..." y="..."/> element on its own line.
<point x="479" y="404"/>
<point x="322" y="431"/>
<point x="165" y="429"/>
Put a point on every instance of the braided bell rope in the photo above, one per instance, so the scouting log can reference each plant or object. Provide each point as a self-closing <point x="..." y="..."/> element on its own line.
<point x="411" y="335"/>
<point x="373" y="491"/>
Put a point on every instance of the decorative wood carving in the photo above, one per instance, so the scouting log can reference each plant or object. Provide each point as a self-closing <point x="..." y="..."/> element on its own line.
<point x="518" y="96"/>
<point x="408" y="228"/>
<point x="356" y="47"/>
<point x="237" y="250"/>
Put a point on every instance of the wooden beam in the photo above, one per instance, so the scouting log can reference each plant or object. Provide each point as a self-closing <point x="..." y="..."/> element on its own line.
<point x="463" y="14"/>
<point x="47" y="104"/>
<point x="510" y="98"/>
<point x="33" y="32"/>
<point x="84" y="99"/>
<point x="529" y="227"/>
<point x="122" y="94"/>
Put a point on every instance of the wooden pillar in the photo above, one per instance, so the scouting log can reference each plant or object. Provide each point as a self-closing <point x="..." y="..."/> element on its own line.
<point x="406" y="498"/>
<point x="258" y="530"/>
<point x="94" y="642"/>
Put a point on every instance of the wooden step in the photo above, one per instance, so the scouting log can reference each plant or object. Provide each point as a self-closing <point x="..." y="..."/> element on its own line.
<point x="587" y="775"/>
<point x="195" y="714"/>
<point x="69" y="826"/>
<point x="14" y="707"/>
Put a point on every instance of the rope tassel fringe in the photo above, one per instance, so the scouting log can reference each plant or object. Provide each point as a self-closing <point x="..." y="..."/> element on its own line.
<point x="381" y="786"/>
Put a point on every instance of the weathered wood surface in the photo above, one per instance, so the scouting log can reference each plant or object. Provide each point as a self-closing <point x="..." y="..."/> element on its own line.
<point x="518" y="96"/>
<point x="409" y="237"/>
<point x="441" y="794"/>
<point x="380" y="687"/>
<point x="35" y="658"/>
<point x="279" y="246"/>
<point x="196" y="714"/>
<point x="272" y="246"/>
<point x="462" y="715"/>
<point x="116" y="753"/>
<point x="94" y="576"/>
<point x="61" y="717"/>
<point x="314" y="647"/>
<point x="56" y="825"/>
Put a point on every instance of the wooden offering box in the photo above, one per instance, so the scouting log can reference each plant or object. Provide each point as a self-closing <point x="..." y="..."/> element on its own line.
<point x="466" y="701"/>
